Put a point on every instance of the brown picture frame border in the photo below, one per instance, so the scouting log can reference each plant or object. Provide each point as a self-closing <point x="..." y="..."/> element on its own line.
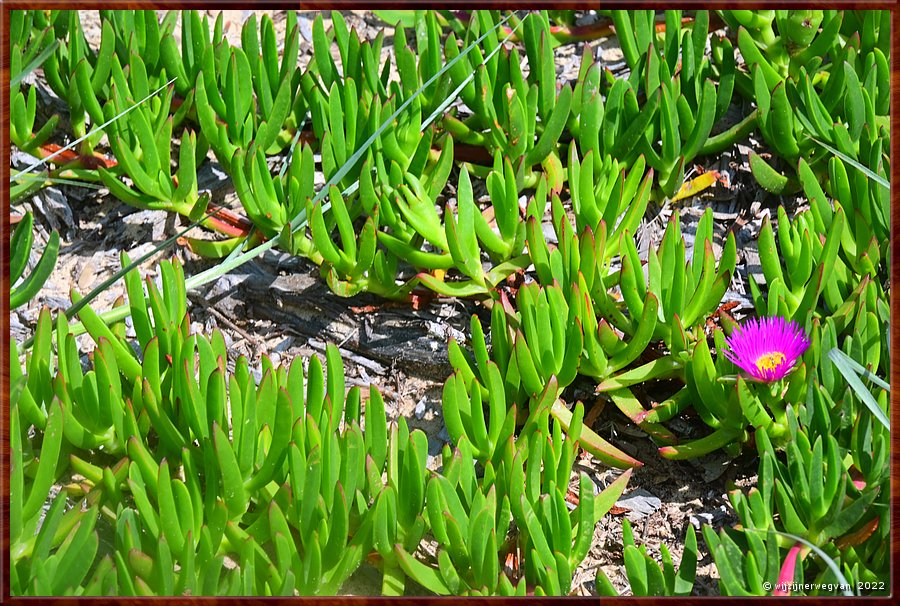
<point x="6" y="6"/>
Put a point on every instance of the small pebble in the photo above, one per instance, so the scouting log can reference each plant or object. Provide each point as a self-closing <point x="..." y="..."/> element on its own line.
<point x="611" y="55"/>
<point x="284" y="345"/>
<point x="420" y="408"/>
<point x="698" y="520"/>
<point x="640" y="503"/>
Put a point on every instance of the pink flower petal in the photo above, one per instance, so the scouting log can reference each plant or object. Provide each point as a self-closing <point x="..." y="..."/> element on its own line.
<point x="774" y="338"/>
<point x="786" y="576"/>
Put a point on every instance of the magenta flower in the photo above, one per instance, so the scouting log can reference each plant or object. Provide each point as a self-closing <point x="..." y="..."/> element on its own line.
<point x="767" y="348"/>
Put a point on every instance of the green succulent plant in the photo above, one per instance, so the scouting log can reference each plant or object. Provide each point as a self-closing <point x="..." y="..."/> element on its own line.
<point x="498" y="375"/>
<point x="521" y="117"/>
<point x="470" y="518"/>
<point x="749" y="563"/>
<point x="554" y="539"/>
<point x="282" y="477"/>
<point x="140" y="32"/>
<point x="213" y="481"/>
<point x="675" y="76"/>
<point x="645" y="576"/>
<point x="29" y="47"/>
<point x="73" y="68"/>
<point x="244" y="95"/>
<point x="20" y="248"/>
<point x="471" y="527"/>
<point x="813" y="266"/>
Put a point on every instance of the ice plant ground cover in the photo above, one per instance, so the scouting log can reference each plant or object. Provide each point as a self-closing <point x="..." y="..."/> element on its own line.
<point x="517" y="165"/>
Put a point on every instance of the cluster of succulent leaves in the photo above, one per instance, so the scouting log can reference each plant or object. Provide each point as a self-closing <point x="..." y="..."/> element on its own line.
<point x="821" y="95"/>
<point x="205" y="480"/>
<point x="604" y="148"/>
<point x="21" y="246"/>
<point x="30" y="39"/>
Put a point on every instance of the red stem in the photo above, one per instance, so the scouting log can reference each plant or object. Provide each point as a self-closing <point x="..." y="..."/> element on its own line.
<point x="68" y="158"/>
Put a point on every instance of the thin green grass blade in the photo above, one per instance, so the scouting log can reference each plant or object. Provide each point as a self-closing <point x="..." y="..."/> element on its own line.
<point x="864" y="170"/>
<point x="45" y="180"/>
<point x="859" y="369"/>
<point x="452" y="96"/>
<point x="35" y="63"/>
<point x="112" y="279"/>
<point x="840" y="361"/>
<point x="287" y="159"/>
<point x="18" y="192"/>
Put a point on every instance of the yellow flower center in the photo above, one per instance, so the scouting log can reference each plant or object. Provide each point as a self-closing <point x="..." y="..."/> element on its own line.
<point x="770" y="361"/>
